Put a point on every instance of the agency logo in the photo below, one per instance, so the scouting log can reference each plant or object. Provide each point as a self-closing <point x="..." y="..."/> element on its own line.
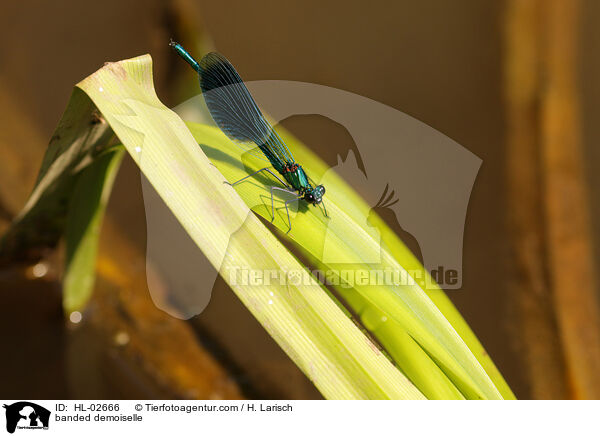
<point x="26" y="415"/>
<point x="408" y="174"/>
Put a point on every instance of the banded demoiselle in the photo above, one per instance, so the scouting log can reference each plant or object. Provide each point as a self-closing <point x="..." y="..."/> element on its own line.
<point x="236" y="113"/>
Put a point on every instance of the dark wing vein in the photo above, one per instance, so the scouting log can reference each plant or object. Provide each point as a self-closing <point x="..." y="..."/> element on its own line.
<point x="235" y="111"/>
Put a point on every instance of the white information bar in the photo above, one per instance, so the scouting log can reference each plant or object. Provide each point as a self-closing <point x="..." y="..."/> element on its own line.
<point x="24" y="417"/>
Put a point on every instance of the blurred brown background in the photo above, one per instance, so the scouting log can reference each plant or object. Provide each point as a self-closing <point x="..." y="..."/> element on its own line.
<point x="476" y="71"/>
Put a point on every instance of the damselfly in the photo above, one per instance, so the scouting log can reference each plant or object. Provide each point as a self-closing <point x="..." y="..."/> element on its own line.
<point x="235" y="112"/>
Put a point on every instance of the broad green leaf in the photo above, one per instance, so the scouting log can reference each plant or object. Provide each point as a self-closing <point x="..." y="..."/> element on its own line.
<point x="421" y="330"/>
<point x="345" y="242"/>
<point x="302" y="318"/>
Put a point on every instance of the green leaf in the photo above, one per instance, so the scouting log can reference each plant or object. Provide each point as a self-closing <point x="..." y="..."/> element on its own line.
<point x="81" y="135"/>
<point x="84" y="219"/>
<point x="301" y="316"/>
<point x="307" y="324"/>
<point x="443" y="303"/>
<point x="346" y="243"/>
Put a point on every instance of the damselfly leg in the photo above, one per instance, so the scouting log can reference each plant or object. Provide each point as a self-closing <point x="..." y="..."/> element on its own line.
<point x="288" y="190"/>
<point x="286" y="205"/>
<point x="324" y="209"/>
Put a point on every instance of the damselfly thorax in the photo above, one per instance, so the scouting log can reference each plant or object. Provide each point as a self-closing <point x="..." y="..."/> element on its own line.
<point x="298" y="180"/>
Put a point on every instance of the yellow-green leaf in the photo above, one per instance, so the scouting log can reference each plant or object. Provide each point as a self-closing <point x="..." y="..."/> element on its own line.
<point x="307" y="324"/>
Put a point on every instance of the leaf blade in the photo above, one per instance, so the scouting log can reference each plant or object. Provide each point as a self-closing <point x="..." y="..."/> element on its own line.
<point x="82" y="231"/>
<point x="192" y="188"/>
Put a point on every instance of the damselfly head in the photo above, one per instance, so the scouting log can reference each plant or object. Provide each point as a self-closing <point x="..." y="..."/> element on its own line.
<point x="315" y="196"/>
